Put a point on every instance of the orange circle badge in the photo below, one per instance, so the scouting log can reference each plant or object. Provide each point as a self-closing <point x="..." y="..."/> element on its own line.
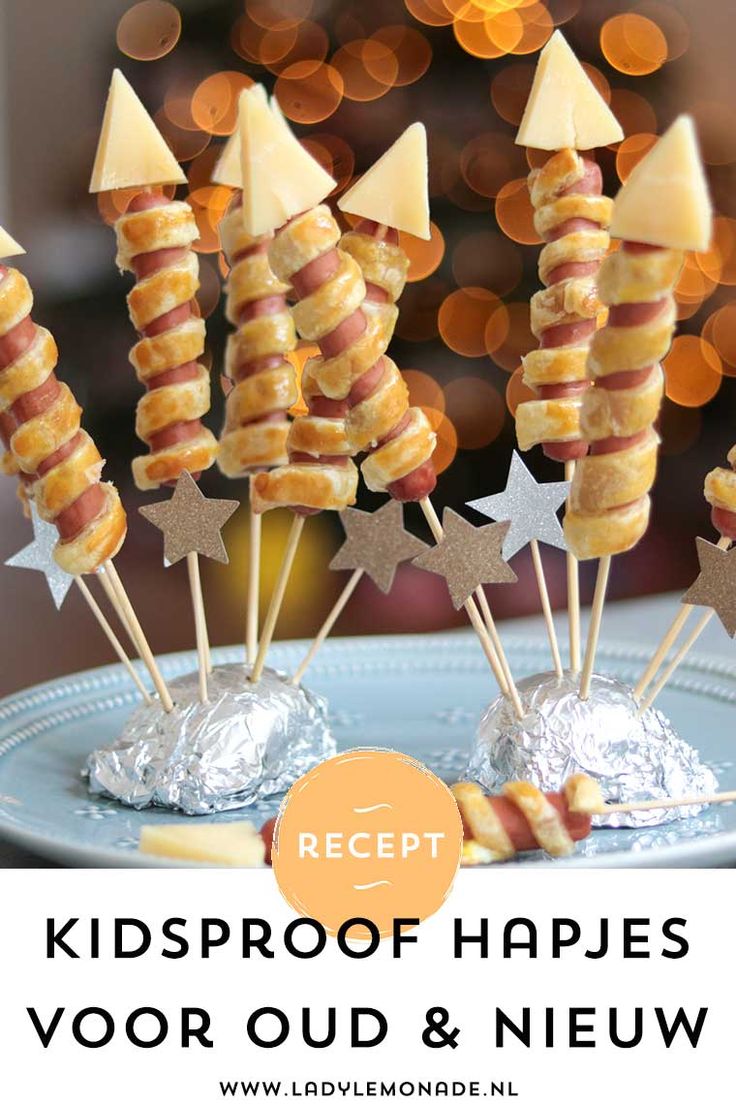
<point x="370" y="834"/>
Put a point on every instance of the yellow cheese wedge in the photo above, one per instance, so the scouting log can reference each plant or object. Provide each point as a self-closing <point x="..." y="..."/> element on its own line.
<point x="280" y="179"/>
<point x="227" y="170"/>
<point x="665" y="200"/>
<point x="232" y="844"/>
<point x="9" y="246"/>
<point x="564" y="109"/>
<point x="394" y="191"/>
<point x="131" y="151"/>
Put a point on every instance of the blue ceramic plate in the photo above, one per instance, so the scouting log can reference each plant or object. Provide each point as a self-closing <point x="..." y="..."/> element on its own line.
<point x="418" y="694"/>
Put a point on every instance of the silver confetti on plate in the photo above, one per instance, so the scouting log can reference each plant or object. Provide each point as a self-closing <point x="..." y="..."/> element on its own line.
<point x="248" y="742"/>
<point x="633" y="758"/>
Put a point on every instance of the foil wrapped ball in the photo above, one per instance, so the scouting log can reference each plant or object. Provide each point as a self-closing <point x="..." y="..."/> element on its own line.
<point x="634" y="758"/>
<point x="248" y="742"/>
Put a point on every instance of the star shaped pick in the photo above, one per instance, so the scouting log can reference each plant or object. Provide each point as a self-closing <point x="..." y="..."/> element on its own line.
<point x="191" y="522"/>
<point x="39" y="556"/>
<point x="376" y="543"/>
<point x="468" y="556"/>
<point x="715" y="586"/>
<point x="531" y="508"/>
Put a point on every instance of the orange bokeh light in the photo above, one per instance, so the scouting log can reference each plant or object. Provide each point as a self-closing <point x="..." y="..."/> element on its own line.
<point x="477" y="411"/>
<point x="298" y="357"/>
<point x="210" y="287"/>
<point x="635" y="114"/>
<point x="311" y="44"/>
<point x="278" y="14"/>
<point x="537" y="28"/>
<point x="149" y="30"/>
<point x="631" y="151"/>
<point x="510" y="90"/>
<point x="463" y="318"/>
<point x="432" y="13"/>
<point x="515" y="214"/>
<point x="633" y="44"/>
<point x="671" y="22"/>
<point x="719" y="262"/>
<point x="424" y="390"/>
<point x="720" y="330"/>
<point x="411" y="49"/>
<point x="490" y="36"/>
<point x="488" y="160"/>
<point x="335" y="155"/>
<point x="518" y="339"/>
<point x="368" y="69"/>
<point x="517" y="391"/>
<point x="446" y="447"/>
<point x="183" y="143"/>
<point x="693" y="371"/>
<point x="425" y="257"/>
<point x="309" y="92"/>
<point x="215" y="101"/>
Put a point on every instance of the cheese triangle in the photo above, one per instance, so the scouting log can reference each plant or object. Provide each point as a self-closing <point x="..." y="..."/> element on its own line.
<point x="227" y="170"/>
<point x="280" y="179"/>
<point x="236" y="843"/>
<point x="394" y="191"/>
<point x="665" y="200"/>
<point x="131" y="151"/>
<point x="9" y="246"/>
<point x="565" y="109"/>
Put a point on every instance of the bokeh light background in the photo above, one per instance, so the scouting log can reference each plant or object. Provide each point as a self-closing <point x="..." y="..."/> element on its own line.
<point x="350" y="75"/>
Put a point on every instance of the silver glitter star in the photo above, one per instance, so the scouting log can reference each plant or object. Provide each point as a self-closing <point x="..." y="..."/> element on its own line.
<point x="531" y="508"/>
<point x="39" y="556"/>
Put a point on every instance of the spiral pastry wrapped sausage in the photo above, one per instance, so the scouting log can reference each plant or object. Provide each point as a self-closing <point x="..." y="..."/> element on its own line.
<point x="256" y="423"/>
<point x="57" y="461"/>
<point x="352" y="385"/>
<point x="572" y="217"/>
<point x="523" y="818"/>
<point x="609" y="500"/>
<point x="154" y="240"/>
<point x="720" y="493"/>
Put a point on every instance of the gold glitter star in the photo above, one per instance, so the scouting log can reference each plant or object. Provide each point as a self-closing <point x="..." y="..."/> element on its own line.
<point x="468" y="556"/>
<point x="190" y="522"/>
<point x="715" y="586"/>
<point x="376" y="543"/>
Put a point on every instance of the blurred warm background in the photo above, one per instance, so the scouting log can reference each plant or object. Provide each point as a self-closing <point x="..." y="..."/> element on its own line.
<point x="350" y="75"/>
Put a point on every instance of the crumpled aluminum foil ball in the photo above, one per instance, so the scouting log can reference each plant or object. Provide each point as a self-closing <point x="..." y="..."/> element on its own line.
<point x="248" y="742"/>
<point x="633" y="758"/>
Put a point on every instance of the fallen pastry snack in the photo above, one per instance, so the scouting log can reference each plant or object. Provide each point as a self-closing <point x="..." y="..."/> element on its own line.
<point x="58" y="462"/>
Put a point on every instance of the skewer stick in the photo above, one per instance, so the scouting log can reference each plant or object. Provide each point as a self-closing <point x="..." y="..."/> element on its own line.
<point x="669" y="639"/>
<point x="546" y="607"/>
<point x="142" y="646"/>
<point x="594" y="629"/>
<point x="492" y="653"/>
<point x="327" y="625"/>
<point x="676" y="659"/>
<point x="254" y="582"/>
<point x="277" y="598"/>
<point x="120" y="612"/>
<point x="200" y="624"/>
<point x="573" y="592"/>
<point x="109" y="633"/>
<point x="667" y="803"/>
<point x="490" y="624"/>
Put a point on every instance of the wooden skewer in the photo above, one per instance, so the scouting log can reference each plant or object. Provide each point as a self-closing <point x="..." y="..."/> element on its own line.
<point x="573" y="592"/>
<point x="120" y="612"/>
<point x="254" y="582"/>
<point x="200" y="625"/>
<point x="511" y="690"/>
<point x="669" y="639"/>
<point x="109" y="633"/>
<point x="327" y="625"/>
<point x="492" y="653"/>
<point x="594" y="628"/>
<point x="277" y="598"/>
<point x="667" y="803"/>
<point x="142" y="646"/>
<point x="676" y="659"/>
<point x="546" y="607"/>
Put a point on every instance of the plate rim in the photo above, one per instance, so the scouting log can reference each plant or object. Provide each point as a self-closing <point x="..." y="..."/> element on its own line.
<point x="707" y="852"/>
